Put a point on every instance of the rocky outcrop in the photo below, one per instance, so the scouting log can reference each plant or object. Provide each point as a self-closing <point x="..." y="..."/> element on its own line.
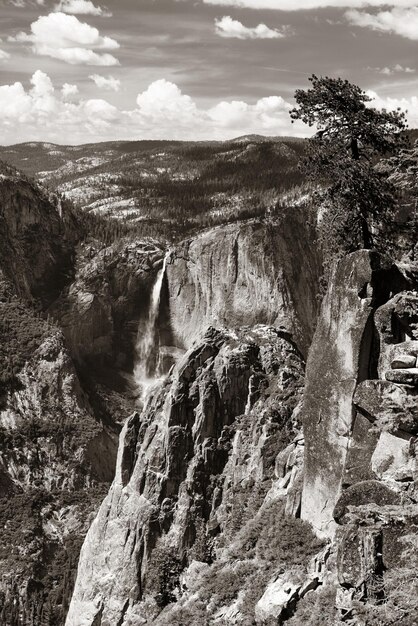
<point x="259" y="272"/>
<point x="214" y="427"/>
<point x="390" y="406"/>
<point x="101" y="312"/>
<point x="37" y="237"/>
<point x="55" y="461"/>
<point x="49" y="426"/>
<point x="341" y="356"/>
<point x="360" y="426"/>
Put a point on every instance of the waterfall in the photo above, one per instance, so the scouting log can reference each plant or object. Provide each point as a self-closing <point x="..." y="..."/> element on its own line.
<point x="145" y="371"/>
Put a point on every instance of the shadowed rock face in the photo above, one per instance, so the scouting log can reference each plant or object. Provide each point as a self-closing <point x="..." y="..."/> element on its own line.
<point x="102" y="310"/>
<point x="245" y="274"/>
<point x="180" y="462"/>
<point x="37" y="238"/>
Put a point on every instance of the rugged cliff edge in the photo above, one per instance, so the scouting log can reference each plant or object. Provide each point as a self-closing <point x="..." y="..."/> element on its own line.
<point x="37" y="237"/>
<point x="361" y="424"/>
<point x="193" y="470"/>
<point x="216" y="468"/>
<point x="259" y="272"/>
<point x="344" y="352"/>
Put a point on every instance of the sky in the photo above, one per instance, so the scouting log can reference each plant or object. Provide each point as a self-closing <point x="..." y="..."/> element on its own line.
<point x="79" y="71"/>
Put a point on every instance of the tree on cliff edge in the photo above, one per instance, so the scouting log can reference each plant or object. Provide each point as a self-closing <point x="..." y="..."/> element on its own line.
<point x="342" y="155"/>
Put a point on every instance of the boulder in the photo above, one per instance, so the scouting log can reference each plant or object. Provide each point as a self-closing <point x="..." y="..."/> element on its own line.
<point x="392" y="352"/>
<point x="364" y="493"/>
<point x="403" y="376"/>
<point x="279" y="597"/>
<point x="394" y="459"/>
<point x="396" y="323"/>
<point x="391" y="407"/>
<point x="403" y="361"/>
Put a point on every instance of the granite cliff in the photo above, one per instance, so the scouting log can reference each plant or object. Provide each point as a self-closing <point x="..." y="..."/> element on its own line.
<point x="247" y="273"/>
<point x="212" y="477"/>
<point x="73" y="310"/>
<point x="246" y="487"/>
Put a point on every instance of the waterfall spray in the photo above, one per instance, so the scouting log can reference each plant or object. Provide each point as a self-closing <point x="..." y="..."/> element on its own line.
<point x="145" y="370"/>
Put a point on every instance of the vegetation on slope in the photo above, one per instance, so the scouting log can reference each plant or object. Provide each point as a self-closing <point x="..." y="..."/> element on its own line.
<point x="22" y="331"/>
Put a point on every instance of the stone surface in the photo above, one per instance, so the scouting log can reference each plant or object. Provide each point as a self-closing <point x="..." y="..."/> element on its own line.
<point x="279" y="597"/>
<point x="396" y="325"/>
<point x="377" y="539"/>
<point x="37" y="238"/>
<point x="360" y="450"/>
<point x="403" y="376"/>
<point x="338" y="359"/>
<point x="391" y="407"/>
<point x="368" y="491"/>
<point x="197" y="445"/>
<point x="404" y="361"/>
<point x="245" y="274"/>
<point x="394" y="459"/>
<point x="51" y="401"/>
<point x="106" y="305"/>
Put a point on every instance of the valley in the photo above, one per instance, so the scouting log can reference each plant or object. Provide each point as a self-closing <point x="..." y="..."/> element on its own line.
<point x="199" y="425"/>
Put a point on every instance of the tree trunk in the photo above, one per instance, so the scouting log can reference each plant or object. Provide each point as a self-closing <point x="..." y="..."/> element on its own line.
<point x="354" y="149"/>
<point x="366" y="234"/>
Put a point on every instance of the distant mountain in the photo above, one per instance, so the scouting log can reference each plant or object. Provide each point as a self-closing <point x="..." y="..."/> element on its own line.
<point x="263" y="138"/>
<point x="180" y="186"/>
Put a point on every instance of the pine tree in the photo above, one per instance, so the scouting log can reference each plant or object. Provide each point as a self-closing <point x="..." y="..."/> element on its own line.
<point x="351" y="136"/>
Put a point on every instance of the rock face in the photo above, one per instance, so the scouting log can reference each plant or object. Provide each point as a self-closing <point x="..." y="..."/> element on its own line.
<point x="54" y="460"/>
<point x="179" y="465"/>
<point x="48" y="403"/>
<point x="392" y="407"/>
<point x="246" y="274"/>
<point x="102" y="309"/>
<point x="341" y="356"/>
<point x="37" y="237"/>
<point x="360" y="426"/>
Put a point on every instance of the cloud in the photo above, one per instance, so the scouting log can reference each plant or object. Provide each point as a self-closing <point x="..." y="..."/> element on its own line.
<point x="81" y="7"/>
<point x="227" y="27"/>
<point x="161" y="111"/>
<point x="4" y="55"/>
<point x="164" y="103"/>
<point x="42" y="112"/>
<point x="68" y="91"/>
<point x="401" y="21"/>
<point x="298" y="5"/>
<point x="109" y="83"/>
<point x="64" y="37"/>
<point x="20" y="4"/>
<point x="408" y="105"/>
<point x="395" y="69"/>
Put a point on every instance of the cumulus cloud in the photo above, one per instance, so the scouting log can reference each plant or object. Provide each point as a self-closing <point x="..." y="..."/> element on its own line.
<point x="401" y="21"/>
<point x="44" y="113"/>
<point x="69" y="91"/>
<point x="298" y="5"/>
<point x="110" y="83"/>
<point x="233" y="29"/>
<point x="81" y="7"/>
<point x="270" y="114"/>
<point x="64" y="37"/>
<point x="165" y="99"/>
<point x="162" y="111"/>
<point x="408" y="105"/>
